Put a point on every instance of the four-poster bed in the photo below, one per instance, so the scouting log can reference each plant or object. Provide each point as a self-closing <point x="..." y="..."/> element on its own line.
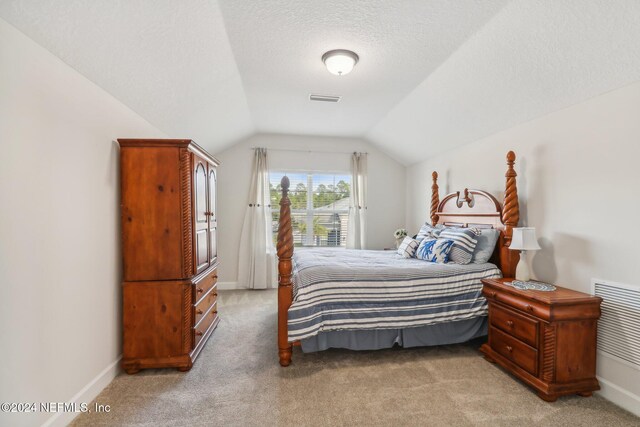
<point x="471" y="209"/>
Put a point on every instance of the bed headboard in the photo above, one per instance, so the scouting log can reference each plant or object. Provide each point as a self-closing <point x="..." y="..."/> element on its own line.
<point x="476" y="208"/>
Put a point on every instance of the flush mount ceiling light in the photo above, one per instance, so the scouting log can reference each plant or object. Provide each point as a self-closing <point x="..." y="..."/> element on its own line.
<point x="340" y="61"/>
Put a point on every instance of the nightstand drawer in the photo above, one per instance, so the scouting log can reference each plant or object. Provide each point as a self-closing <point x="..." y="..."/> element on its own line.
<point x="514" y="350"/>
<point x="525" y="305"/>
<point x="522" y="327"/>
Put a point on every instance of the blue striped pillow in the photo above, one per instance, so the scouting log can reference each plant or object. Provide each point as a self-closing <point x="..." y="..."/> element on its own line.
<point x="464" y="243"/>
<point x="427" y="231"/>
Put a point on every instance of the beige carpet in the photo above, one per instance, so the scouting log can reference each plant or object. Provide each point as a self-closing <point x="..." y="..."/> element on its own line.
<point x="238" y="382"/>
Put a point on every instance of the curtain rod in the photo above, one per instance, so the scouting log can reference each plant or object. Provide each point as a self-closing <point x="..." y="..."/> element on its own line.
<point x="308" y="151"/>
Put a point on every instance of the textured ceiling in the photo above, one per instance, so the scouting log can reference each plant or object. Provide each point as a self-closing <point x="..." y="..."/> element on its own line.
<point x="433" y="74"/>
<point x="278" y="46"/>
<point x="170" y="61"/>
<point x="532" y="58"/>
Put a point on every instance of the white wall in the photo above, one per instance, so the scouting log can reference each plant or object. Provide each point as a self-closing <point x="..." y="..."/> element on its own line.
<point x="386" y="183"/>
<point x="578" y="185"/>
<point x="60" y="267"/>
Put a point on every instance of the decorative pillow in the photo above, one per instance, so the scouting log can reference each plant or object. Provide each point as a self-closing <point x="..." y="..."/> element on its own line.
<point x="485" y="246"/>
<point x="429" y="231"/>
<point x="434" y="250"/>
<point x="464" y="242"/>
<point x="408" y="247"/>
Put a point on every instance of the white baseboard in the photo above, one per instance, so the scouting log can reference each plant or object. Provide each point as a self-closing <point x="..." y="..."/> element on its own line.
<point x="86" y="395"/>
<point x="621" y="397"/>
<point x="227" y="286"/>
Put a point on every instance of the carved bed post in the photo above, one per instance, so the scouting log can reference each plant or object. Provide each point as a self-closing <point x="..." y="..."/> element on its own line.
<point x="510" y="218"/>
<point x="285" y="290"/>
<point x="435" y="199"/>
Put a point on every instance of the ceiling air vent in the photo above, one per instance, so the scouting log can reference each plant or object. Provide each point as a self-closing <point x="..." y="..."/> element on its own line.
<point x="325" y="98"/>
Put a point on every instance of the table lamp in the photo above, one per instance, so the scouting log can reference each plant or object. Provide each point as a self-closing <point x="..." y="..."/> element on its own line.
<point x="524" y="239"/>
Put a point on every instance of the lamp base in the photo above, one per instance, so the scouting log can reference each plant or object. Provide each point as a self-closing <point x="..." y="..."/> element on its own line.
<point x="522" y="269"/>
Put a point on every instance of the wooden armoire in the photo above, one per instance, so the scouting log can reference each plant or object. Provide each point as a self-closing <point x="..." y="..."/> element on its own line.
<point x="169" y="227"/>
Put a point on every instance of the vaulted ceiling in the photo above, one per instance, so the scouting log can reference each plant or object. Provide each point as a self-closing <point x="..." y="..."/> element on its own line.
<point x="433" y="74"/>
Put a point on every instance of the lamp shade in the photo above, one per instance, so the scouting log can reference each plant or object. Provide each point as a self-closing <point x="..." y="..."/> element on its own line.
<point x="524" y="239"/>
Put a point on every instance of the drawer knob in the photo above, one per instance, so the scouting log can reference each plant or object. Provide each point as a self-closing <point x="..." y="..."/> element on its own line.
<point x="492" y="294"/>
<point x="510" y="323"/>
<point x="214" y="312"/>
<point x="215" y="294"/>
<point x="509" y="349"/>
<point x="200" y="290"/>
<point x="198" y="311"/>
<point x="215" y="276"/>
<point x="199" y="333"/>
<point x="529" y="307"/>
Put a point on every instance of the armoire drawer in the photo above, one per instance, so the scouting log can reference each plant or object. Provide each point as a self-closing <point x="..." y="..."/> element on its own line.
<point x="203" y="285"/>
<point x="522" y="327"/>
<point x="514" y="350"/>
<point x="204" y="305"/>
<point x="205" y="322"/>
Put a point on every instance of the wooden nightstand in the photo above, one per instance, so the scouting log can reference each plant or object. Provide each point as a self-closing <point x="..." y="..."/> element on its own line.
<point x="546" y="339"/>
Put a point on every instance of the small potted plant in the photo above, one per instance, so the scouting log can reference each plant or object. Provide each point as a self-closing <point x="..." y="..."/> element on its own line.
<point x="399" y="234"/>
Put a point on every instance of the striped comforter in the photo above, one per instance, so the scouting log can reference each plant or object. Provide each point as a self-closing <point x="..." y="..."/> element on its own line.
<point x="338" y="289"/>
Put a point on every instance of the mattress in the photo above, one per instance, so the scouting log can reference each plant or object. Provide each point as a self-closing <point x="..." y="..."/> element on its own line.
<point x="358" y="290"/>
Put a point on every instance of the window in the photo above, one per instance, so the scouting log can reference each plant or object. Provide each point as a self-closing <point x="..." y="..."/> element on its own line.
<point x="319" y="207"/>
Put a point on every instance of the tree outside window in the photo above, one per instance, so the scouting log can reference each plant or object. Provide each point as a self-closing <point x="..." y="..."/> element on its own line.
<point x="319" y="207"/>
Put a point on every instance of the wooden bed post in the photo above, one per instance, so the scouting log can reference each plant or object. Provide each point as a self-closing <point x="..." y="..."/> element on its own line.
<point x="510" y="218"/>
<point x="435" y="199"/>
<point x="285" y="290"/>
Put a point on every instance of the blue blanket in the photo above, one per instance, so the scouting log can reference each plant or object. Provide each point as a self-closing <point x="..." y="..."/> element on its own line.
<point x="341" y="289"/>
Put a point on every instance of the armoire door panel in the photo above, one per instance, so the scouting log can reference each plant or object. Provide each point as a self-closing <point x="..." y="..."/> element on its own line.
<point x="213" y="222"/>
<point x="150" y="219"/>
<point x="213" y="245"/>
<point x="200" y="179"/>
<point x="201" y="214"/>
<point x="202" y="242"/>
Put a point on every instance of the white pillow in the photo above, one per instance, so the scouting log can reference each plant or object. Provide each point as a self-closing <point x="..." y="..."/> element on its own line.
<point x="408" y="247"/>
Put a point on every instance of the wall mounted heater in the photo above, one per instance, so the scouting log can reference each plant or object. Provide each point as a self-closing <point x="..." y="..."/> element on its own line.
<point x="619" y="325"/>
<point x="325" y="98"/>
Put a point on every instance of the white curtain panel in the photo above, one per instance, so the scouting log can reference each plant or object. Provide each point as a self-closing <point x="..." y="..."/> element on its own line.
<point x="356" y="238"/>
<point x="257" y="255"/>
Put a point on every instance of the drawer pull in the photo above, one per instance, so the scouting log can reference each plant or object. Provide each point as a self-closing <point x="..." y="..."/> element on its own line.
<point x="215" y="276"/>
<point x="528" y="307"/>
<point x="214" y="312"/>
<point x="200" y="290"/>
<point x="509" y="349"/>
<point x="214" y="294"/>
<point x="199" y="333"/>
<point x="492" y="294"/>
<point x="198" y="311"/>
<point x="510" y="323"/>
